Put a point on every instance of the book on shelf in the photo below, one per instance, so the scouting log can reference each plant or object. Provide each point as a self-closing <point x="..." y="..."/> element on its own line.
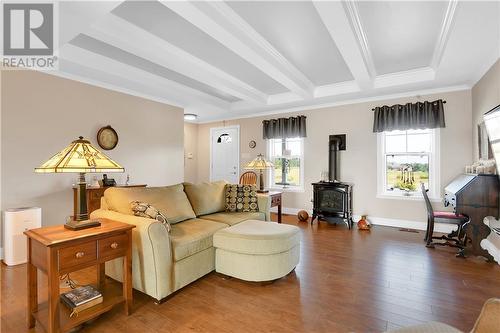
<point x="81" y="298"/>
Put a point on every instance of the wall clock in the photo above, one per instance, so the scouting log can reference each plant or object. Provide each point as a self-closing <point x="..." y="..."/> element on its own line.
<point x="107" y="138"/>
<point x="252" y="144"/>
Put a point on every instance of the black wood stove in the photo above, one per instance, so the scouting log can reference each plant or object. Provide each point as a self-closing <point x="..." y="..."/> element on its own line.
<point x="332" y="199"/>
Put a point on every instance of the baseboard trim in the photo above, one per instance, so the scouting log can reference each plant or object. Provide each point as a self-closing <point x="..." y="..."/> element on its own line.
<point x="1" y="253"/>
<point x="382" y="221"/>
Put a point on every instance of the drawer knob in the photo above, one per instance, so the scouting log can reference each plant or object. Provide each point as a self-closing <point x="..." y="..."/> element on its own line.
<point x="79" y="254"/>
<point x="114" y="245"/>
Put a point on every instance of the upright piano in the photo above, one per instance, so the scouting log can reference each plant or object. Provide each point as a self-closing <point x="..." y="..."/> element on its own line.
<point x="475" y="196"/>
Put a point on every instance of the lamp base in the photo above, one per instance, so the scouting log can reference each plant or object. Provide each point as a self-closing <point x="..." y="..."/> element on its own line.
<point x="262" y="191"/>
<point x="79" y="225"/>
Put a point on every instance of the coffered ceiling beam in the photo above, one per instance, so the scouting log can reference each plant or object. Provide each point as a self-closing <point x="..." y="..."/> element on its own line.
<point x="336" y="89"/>
<point x="220" y="22"/>
<point x="77" y="16"/>
<point x="444" y="34"/>
<point x="128" y="37"/>
<point x="404" y="77"/>
<point x="350" y="39"/>
<point x="186" y="96"/>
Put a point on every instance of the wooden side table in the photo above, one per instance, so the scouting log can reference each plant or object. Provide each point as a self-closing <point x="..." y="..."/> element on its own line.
<point x="276" y="201"/>
<point x="94" y="195"/>
<point x="57" y="251"/>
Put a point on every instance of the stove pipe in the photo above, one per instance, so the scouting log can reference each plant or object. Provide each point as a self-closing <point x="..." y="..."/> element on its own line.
<point x="336" y="144"/>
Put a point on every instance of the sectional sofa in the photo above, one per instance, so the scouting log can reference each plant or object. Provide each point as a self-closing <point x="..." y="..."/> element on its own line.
<point x="164" y="262"/>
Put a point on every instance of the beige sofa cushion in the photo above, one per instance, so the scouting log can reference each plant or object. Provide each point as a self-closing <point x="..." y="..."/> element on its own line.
<point x="257" y="238"/>
<point x="170" y="200"/>
<point x="206" y="198"/>
<point x="192" y="236"/>
<point x="234" y="218"/>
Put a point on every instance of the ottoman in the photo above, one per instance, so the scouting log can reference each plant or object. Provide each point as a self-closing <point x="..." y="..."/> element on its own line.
<point x="257" y="250"/>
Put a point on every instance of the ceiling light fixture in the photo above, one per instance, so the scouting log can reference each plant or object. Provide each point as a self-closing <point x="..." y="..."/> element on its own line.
<point x="190" y="116"/>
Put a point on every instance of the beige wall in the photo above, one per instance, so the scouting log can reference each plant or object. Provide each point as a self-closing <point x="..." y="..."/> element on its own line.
<point x="42" y="114"/>
<point x="485" y="96"/>
<point x="190" y="152"/>
<point x="359" y="162"/>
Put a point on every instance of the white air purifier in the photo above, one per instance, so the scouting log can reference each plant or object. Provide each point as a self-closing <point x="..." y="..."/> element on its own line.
<point x="15" y="222"/>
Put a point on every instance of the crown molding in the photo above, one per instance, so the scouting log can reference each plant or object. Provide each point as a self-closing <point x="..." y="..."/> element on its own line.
<point x="316" y="106"/>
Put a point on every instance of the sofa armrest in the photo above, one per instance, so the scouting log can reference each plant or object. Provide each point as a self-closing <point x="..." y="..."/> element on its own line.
<point x="264" y="202"/>
<point x="151" y="254"/>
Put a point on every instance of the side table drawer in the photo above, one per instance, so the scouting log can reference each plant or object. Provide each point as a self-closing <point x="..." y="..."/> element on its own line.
<point x="275" y="200"/>
<point x="113" y="246"/>
<point x="77" y="255"/>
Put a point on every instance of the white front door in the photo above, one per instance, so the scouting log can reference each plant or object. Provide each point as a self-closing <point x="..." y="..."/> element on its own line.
<point x="225" y="154"/>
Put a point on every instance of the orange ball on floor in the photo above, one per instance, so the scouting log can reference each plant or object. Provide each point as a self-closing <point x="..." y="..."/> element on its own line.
<point x="303" y="216"/>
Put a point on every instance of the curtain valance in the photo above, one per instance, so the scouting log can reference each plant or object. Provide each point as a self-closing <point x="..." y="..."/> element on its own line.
<point x="418" y="115"/>
<point x="283" y="128"/>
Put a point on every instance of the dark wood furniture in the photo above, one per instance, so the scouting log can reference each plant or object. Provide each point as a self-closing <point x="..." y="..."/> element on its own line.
<point x="276" y="202"/>
<point x="57" y="251"/>
<point x="334" y="200"/>
<point x="456" y="238"/>
<point x="475" y="196"/>
<point x="94" y="195"/>
<point x="248" y="178"/>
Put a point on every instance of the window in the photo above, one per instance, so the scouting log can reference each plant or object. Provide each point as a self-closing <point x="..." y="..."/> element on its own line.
<point x="406" y="159"/>
<point x="287" y="157"/>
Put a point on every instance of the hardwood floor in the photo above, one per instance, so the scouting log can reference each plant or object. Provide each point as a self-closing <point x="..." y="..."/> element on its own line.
<point x="347" y="281"/>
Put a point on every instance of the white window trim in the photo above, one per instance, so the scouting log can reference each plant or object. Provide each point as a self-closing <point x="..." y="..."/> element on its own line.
<point x="434" y="171"/>
<point x="270" y="172"/>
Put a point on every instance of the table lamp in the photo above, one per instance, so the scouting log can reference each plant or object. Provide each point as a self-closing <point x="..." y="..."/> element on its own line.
<point x="80" y="157"/>
<point x="261" y="164"/>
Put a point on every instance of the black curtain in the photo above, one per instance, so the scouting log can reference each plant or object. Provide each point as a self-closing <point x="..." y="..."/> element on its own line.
<point x="283" y="128"/>
<point x="418" y="115"/>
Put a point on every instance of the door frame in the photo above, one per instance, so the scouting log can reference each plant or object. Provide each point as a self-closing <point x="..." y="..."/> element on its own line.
<point x="212" y="130"/>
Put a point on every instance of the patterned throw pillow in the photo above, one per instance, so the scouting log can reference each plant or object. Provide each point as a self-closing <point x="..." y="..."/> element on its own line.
<point x="143" y="209"/>
<point x="241" y="198"/>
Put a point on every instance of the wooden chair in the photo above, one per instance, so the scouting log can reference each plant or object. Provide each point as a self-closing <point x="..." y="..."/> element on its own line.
<point x="248" y="178"/>
<point x="456" y="238"/>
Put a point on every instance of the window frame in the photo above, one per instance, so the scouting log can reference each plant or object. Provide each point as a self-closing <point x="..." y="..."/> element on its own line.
<point x="270" y="173"/>
<point x="434" y="170"/>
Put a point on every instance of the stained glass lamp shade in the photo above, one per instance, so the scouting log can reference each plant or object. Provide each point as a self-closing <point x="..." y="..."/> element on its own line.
<point x="80" y="157"/>
<point x="261" y="164"/>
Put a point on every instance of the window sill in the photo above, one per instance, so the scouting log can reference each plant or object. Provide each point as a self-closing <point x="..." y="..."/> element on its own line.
<point x="405" y="197"/>
<point x="288" y="189"/>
